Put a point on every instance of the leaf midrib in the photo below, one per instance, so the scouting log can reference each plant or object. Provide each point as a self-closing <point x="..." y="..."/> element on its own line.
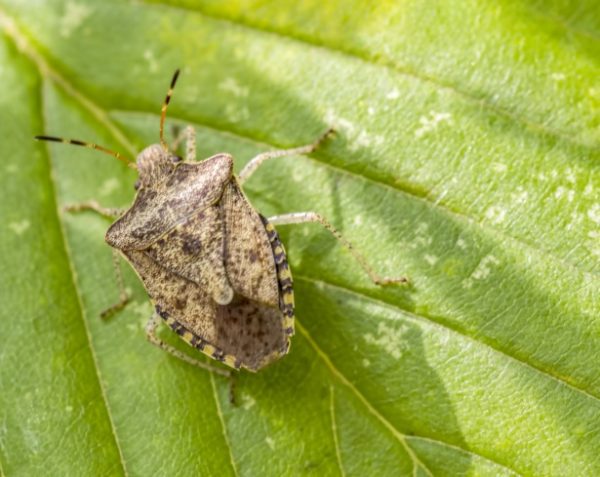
<point x="101" y="115"/>
<point x="82" y="313"/>
<point x="540" y="252"/>
<point x="363" y="296"/>
<point x="396" y="433"/>
<point x="48" y="73"/>
<point x="433" y="202"/>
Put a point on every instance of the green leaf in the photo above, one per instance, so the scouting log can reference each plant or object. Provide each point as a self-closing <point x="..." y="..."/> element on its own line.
<point x="466" y="157"/>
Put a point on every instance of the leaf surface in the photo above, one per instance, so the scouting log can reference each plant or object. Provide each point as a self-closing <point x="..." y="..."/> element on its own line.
<point x="466" y="157"/>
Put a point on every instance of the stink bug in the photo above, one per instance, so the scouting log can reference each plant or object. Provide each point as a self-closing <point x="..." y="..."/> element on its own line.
<point x="213" y="267"/>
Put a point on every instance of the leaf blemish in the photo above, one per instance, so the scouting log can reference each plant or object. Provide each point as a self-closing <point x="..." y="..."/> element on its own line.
<point x="561" y="192"/>
<point x="357" y="137"/>
<point x="430" y="123"/>
<point x="499" y="167"/>
<point x="431" y="259"/>
<point x="594" y="213"/>
<point x="389" y="338"/>
<point x="74" y="16"/>
<point x="393" y="94"/>
<point x="19" y="227"/>
<point x="109" y="186"/>
<point x="520" y="196"/>
<point x="231" y="85"/>
<point x="248" y="401"/>
<point x="235" y="114"/>
<point x="422" y="237"/>
<point x="482" y="270"/>
<point x="152" y="63"/>
<point x="495" y="214"/>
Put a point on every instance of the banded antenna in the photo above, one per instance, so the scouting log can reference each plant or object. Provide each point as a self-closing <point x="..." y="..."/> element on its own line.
<point x="89" y="145"/>
<point x="163" y="111"/>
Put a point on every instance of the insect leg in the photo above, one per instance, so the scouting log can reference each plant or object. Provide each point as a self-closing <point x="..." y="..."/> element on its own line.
<point x="189" y="135"/>
<point x="151" y="326"/>
<point x="92" y="205"/>
<point x="304" y="217"/>
<point x="247" y="171"/>
<point x="124" y="297"/>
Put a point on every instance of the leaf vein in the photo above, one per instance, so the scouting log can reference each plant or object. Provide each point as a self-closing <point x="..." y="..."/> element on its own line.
<point x="103" y="118"/>
<point x="340" y="376"/>
<point x="82" y="314"/>
<point x="11" y="30"/>
<point x="433" y="202"/>
<point x="546" y="373"/>
<point x="381" y="61"/>
<point x="223" y="425"/>
<point x="336" y="443"/>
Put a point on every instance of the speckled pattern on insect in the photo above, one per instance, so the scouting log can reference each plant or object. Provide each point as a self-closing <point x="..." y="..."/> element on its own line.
<point x="214" y="268"/>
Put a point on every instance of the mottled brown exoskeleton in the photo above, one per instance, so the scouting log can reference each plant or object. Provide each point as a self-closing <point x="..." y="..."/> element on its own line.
<point x="214" y="268"/>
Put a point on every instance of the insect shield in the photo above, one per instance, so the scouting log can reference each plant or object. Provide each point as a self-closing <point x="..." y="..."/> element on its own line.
<point x="214" y="268"/>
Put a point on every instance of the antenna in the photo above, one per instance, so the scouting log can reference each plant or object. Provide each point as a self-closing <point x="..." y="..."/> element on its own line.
<point x="90" y="145"/>
<point x="163" y="111"/>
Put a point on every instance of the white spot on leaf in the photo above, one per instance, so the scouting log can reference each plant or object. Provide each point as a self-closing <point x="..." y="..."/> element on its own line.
<point x="75" y="14"/>
<point x="422" y="236"/>
<point x="393" y="94"/>
<point x="109" y="186"/>
<point x="430" y="259"/>
<point x="248" y="401"/>
<point x="235" y="113"/>
<point x="482" y="270"/>
<point x="561" y="192"/>
<point x="19" y="227"/>
<point x="389" y="338"/>
<point x="143" y="310"/>
<point x="520" y="196"/>
<point x="594" y="213"/>
<point x="357" y="137"/>
<point x="499" y="167"/>
<point x="431" y="122"/>
<point x="231" y="85"/>
<point x="495" y="214"/>
<point x="152" y="63"/>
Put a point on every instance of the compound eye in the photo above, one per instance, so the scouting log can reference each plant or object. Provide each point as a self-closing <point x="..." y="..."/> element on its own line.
<point x="176" y="159"/>
<point x="137" y="184"/>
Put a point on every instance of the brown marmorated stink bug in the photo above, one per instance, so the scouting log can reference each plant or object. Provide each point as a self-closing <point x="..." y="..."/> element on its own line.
<point x="213" y="267"/>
